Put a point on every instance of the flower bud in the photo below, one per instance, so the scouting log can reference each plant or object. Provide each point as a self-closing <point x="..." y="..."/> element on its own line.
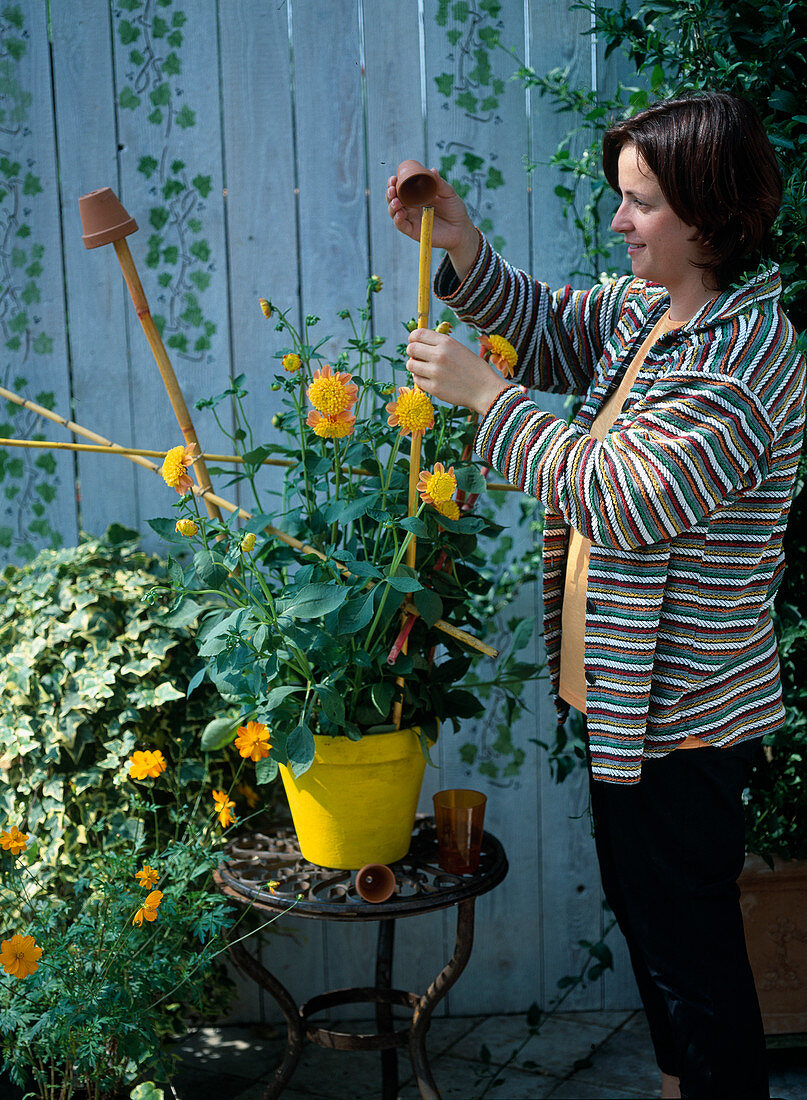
<point x="410" y="325"/>
<point x="444" y="327"/>
<point x="374" y="284"/>
<point x="248" y="542"/>
<point x="186" y="527"/>
<point x="266" y="307"/>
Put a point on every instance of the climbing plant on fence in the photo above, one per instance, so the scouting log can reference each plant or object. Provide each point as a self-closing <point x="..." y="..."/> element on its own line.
<point x="26" y="481"/>
<point x="177" y="249"/>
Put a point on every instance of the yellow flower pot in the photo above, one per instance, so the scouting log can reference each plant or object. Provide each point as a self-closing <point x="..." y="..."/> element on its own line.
<point x="356" y="803"/>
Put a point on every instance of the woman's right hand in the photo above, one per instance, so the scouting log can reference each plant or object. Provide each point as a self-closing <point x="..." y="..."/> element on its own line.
<point x="453" y="229"/>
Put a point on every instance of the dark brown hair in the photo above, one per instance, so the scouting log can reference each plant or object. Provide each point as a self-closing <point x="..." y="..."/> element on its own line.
<point x="716" y="169"/>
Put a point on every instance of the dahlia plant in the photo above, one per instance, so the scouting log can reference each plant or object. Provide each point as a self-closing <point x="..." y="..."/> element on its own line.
<point x="357" y="603"/>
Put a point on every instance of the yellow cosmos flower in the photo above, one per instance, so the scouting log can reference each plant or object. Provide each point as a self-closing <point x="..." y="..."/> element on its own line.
<point x="501" y="353"/>
<point x="146" y="764"/>
<point x="148" y="910"/>
<point x="14" y="841"/>
<point x="224" y="808"/>
<point x="332" y="393"/>
<point x="412" y="412"/>
<point x="248" y="542"/>
<point x="186" y="527"/>
<point x="449" y="508"/>
<point x="291" y="362"/>
<point x="437" y="486"/>
<point x="175" y="468"/>
<point x="19" y="956"/>
<point x="253" y="741"/>
<point x="250" y="794"/>
<point x="147" y="876"/>
<point x="445" y="328"/>
<point x="266" y="307"/>
<point x="331" y="427"/>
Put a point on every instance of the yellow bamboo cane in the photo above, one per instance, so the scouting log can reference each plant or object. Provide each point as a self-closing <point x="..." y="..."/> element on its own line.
<point x="113" y="449"/>
<point x="164" y="364"/>
<point x="275" y="532"/>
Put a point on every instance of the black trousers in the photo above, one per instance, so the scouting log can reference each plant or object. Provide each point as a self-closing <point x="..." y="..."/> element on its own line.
<point x="670" y="850"/>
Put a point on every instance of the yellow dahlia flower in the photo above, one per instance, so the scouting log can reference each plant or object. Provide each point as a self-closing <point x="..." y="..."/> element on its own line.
<point x="501" y="353"/>
<point x="175" y="468"/>
<point x="449" y="508"/>
<point x="291" y="362"/>
<point x="438" y="486"/>
<point x="186" y="527"/>
<point x="331" y="427"/>
<point x="412" y="412"/>
<point x="332" y="394"/>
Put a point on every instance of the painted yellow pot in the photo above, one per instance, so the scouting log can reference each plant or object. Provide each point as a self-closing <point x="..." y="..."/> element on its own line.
<point x="356" y="803"/>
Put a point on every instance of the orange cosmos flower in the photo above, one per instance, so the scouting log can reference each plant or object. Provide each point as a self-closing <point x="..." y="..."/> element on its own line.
<point x="412" y="412"/>
<point x="224" y="808"/>
<point x="19" y="956"/>
<point x="14" y="841"/>
<point x="500" y="353"/>
<point x="146" y="764"/>
<point x="331" y="427"/>
<point x="332" y="393"/>
<point x="148" y="910"/>
<point x="250" y="794"/>
<point x="253" y="741"/>
<point x="147" y="876"/>
<point x="438" y="486"/>
<point x="175" y="468"/>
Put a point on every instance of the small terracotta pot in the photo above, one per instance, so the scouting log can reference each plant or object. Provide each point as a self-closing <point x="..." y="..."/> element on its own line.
<point x="375" y="882"/>
<point x="104" y="218"/>
<point x="416" y="185"/>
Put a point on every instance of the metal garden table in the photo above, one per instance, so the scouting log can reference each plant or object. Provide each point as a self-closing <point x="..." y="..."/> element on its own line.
<point x="254" y="859"/>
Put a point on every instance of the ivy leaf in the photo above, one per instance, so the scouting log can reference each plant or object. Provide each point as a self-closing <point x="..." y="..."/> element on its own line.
<point x="445" y="83"/>
<point x="148" y="166"/>
<point x="128" y="100"/>
<point x="203" y="185"/>
<point x="186" y="117"/>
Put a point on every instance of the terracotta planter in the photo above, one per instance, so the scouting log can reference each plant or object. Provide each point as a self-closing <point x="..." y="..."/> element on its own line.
<point x="356" y="803"/>
<point x="774" y="905"/>
<point x="416" y="185"/>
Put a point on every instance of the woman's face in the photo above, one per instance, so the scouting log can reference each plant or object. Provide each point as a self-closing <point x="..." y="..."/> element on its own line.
<point x="661" y="247"/>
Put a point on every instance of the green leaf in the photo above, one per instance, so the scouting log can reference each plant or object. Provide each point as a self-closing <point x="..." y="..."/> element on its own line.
<point x="416" y="525"/>
<point x="128" y="99"/>
<point x="300" y="749"/>
<point x="219" y="732"/>
<point x="333" y="704"/>
<point x="265" y="771"/>
<point x="356" y="613"/>
<point x="314" y="600"/>
<point x="429" y="605"/>
<point x="445" y="83"/>
<point x="166" y="529"/>
<point x="209" y="568"/>
<point x="148" y="166"/>
<point x="203" y="185"/>
<point x="276" y="697"/>
<point x="470" y="479"/>
<point x="147" y="1091"/>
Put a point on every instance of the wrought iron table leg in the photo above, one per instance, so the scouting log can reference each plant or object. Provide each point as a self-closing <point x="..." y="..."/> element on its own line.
<point x="434" y="994"/>
<point x="383" y="1012"/>
<point x="296" y="1030"/>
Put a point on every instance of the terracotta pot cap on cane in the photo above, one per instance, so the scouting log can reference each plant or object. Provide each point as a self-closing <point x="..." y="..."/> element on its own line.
<point x="375" y="882"/>
<point x="416" y="185"/>
<point x="104" y="218"/>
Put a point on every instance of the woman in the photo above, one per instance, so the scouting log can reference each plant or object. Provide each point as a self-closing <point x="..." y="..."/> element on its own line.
<point x="667" y="499"/>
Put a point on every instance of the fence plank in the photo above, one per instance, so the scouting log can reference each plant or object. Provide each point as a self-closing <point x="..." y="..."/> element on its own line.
<point x="87" y="151"/>
<point x="39" y="493"/>
<point x="329" y="123"/>
<point x="262" y="247"/>
<point x="167" y="91"/>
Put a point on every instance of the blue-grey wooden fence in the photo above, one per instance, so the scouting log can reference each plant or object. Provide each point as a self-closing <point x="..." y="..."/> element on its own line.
<point x="252" y="140"/>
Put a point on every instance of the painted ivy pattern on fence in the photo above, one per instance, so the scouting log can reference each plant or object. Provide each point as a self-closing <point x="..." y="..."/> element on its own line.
<point x="472" y="33"/>
<point x="151" y="31"/>
<point x="27" y="482"/>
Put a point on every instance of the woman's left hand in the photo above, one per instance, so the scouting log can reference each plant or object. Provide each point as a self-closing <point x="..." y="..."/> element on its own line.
<point x="449" y="371"/>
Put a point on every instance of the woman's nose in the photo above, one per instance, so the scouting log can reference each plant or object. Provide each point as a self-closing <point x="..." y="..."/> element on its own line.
<point x="621" y="223"/>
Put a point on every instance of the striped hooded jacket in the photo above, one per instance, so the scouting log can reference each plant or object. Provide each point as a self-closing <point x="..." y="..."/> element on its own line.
<point x="685" y="501"/>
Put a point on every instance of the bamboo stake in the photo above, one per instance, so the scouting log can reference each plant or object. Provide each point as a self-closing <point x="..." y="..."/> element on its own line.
<point x="275" y="532"/>
<point x="113" y="448"/>
<point x="166" y="370"/>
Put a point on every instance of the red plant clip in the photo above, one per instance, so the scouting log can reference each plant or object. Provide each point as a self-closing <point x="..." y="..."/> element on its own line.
<point x="398" y="645"/>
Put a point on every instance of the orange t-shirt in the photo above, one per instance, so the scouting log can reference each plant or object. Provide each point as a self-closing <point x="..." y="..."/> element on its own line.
<point x="573" y="621"/>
